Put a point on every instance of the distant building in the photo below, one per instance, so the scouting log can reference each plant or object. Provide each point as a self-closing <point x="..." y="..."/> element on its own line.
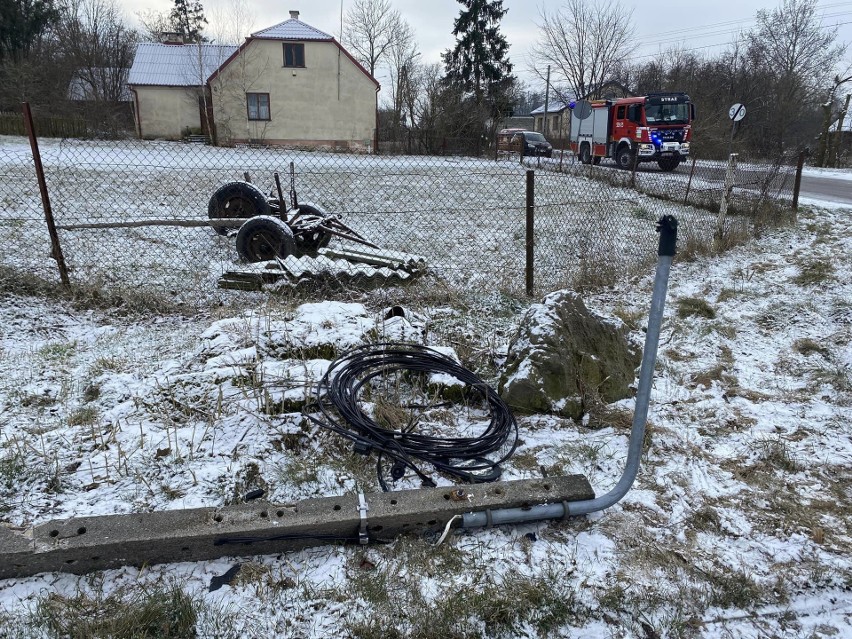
<point x="100" y="84"/>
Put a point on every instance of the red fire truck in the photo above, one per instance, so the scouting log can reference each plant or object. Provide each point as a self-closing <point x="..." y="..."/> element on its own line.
<point x="652" y="128"/>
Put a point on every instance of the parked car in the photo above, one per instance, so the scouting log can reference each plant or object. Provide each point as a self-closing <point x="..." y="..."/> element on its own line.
<point x="528" y="143"/>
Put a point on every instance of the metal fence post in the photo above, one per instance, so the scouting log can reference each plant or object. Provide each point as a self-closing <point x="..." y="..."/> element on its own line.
<point x="798" y="184"/>
<point x="530" y="230"/>
<point x="726" y="196"/>
<point x="56" y="249"/>
<point x="633" y="170"/>
<point x="689" y="182"/>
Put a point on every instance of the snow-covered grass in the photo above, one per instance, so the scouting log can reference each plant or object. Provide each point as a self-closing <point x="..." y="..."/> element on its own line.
<point x="738" y="525"/>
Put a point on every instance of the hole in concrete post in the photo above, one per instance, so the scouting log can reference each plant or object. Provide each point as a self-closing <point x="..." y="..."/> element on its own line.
<point x="185" y="549"/>
<point x="337" y="506"/>
<point x="81" y="530"/>
<point x="54" y="533"/>
<point x="70" y="561"/>
<point x="393" y="502"/>
<point x="498" y="491"/>
<point x="279" y="513"/>
<point x="264" y="514"/>
<point x="96" y="558"/>
<point x="217" y="518"/>
<point x="431" y="522"/>
<point x="376" y="528"/>
<point x="447" y="496"/>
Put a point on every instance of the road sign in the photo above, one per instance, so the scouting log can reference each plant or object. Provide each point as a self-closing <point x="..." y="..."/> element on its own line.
<point x="737" y="112"/>
<point x="582" y="110"/>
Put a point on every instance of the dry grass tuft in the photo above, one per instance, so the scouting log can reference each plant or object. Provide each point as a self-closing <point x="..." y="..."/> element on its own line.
<point x="695" y="307"/>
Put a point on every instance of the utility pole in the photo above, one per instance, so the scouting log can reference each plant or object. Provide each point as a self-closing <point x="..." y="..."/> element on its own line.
<point x="546" y="101"/>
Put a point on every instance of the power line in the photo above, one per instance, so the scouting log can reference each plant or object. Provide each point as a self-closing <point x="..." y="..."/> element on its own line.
<point x="721" y="44"/>
<point x="693" y="30"/>
<point x="728" y="31"/>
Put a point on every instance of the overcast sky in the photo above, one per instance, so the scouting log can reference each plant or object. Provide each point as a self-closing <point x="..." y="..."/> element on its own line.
<point x="705" y="25"/>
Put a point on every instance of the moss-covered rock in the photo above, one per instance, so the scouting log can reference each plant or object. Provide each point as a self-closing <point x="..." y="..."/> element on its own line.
<point x="563" y="356"/>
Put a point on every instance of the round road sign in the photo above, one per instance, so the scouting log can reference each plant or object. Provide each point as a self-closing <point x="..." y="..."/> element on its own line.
<point x="737" y="112"/>
<point x="582" y="109"/>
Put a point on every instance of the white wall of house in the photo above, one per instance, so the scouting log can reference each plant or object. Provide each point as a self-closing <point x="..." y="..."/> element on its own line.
<point x="164" y="112"/>
<point x="557" y="124"/>
<point x="329" y="102"/>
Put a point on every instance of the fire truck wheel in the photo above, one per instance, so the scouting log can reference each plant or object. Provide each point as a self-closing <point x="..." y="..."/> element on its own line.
<point x="236" y="200"/>
<point x="264" y="238"/>
<point x="668" y="164"/>
<point x="585" y="154"/>
<point x="624" y="158"/>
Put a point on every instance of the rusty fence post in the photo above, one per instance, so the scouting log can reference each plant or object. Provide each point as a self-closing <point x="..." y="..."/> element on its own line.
<point x="689" y="182"/>
<point x="530" y="239"/>
<point x="798" y="184"/>
<point x="56" y="249"/>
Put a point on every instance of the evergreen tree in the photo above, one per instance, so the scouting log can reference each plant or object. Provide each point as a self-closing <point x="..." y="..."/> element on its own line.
<point x="478" y="64"/>
<point x="22" y="24"/>
<point x="188" y="19"/>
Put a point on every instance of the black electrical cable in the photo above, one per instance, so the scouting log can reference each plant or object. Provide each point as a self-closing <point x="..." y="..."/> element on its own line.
<point x="469" y="459"/>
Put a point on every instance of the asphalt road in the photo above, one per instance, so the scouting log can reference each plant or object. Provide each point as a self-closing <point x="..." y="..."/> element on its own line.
<point x="826" y="188"/>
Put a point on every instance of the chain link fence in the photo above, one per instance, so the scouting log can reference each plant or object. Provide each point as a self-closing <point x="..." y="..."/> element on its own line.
<point x="132" y="215"/>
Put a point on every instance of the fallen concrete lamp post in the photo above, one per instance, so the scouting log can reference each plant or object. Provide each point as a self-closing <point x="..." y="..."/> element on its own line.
<point x="85" y="544"/>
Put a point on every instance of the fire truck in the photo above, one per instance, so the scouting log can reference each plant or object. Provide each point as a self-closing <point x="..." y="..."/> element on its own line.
<point x="652" y="128"/>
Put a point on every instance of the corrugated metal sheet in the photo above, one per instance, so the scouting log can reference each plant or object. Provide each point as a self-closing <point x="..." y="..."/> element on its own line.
<point x="177" y="65"/>
<point x="292" y="30"/>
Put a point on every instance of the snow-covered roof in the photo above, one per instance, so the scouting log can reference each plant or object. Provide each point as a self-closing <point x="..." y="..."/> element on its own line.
<point x="847" y="123"/>
<point x="177" y="65"/>
<point x="291" y="29"/>
<point x="555" y="106"/>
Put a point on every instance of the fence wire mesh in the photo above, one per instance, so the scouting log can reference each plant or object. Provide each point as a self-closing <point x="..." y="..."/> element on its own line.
<point x="467" y="217"/>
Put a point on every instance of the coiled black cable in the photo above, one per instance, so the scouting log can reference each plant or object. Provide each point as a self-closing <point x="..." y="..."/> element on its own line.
<point x="469" y="459"/>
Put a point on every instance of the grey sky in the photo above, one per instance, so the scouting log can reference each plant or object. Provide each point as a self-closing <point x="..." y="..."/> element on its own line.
<point x="705" y="25"/>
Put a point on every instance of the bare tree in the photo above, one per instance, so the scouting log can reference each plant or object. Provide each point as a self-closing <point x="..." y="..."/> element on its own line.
<point x="401" y="62"/>
<point x="232" y="23"/>
<point x="372" y="28"/>
<point x="584" y="43"/>
<point x="796" y="58"/>
<point x="98" y="46"/>
<point x="156" y="25"/>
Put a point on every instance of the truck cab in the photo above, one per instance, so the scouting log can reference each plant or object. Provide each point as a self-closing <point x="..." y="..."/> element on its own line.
<point x="661" y="128"/>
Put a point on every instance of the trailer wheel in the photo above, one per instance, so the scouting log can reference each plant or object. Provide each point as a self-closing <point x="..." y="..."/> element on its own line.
<point x="668" y="164"/>
<point x="624" y="158"/>
<point x="309" y="240"/>
<point x="236" y="200"/>
<point x="585" y="154"/>
<point x="264" y="238"/>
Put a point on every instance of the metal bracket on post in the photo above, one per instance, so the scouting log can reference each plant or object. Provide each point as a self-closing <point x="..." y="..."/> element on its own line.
<point x="363" y="508"/>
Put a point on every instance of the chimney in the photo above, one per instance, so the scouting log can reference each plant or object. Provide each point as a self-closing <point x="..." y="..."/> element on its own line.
<point x="294" y="15"/>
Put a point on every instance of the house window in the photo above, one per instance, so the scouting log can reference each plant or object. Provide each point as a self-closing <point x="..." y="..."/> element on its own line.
<point x="258" y="106"/>
<point x="294" y="54"/>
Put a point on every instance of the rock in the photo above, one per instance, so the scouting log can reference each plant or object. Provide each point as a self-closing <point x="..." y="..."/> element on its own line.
<point x="563" y="357"/>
